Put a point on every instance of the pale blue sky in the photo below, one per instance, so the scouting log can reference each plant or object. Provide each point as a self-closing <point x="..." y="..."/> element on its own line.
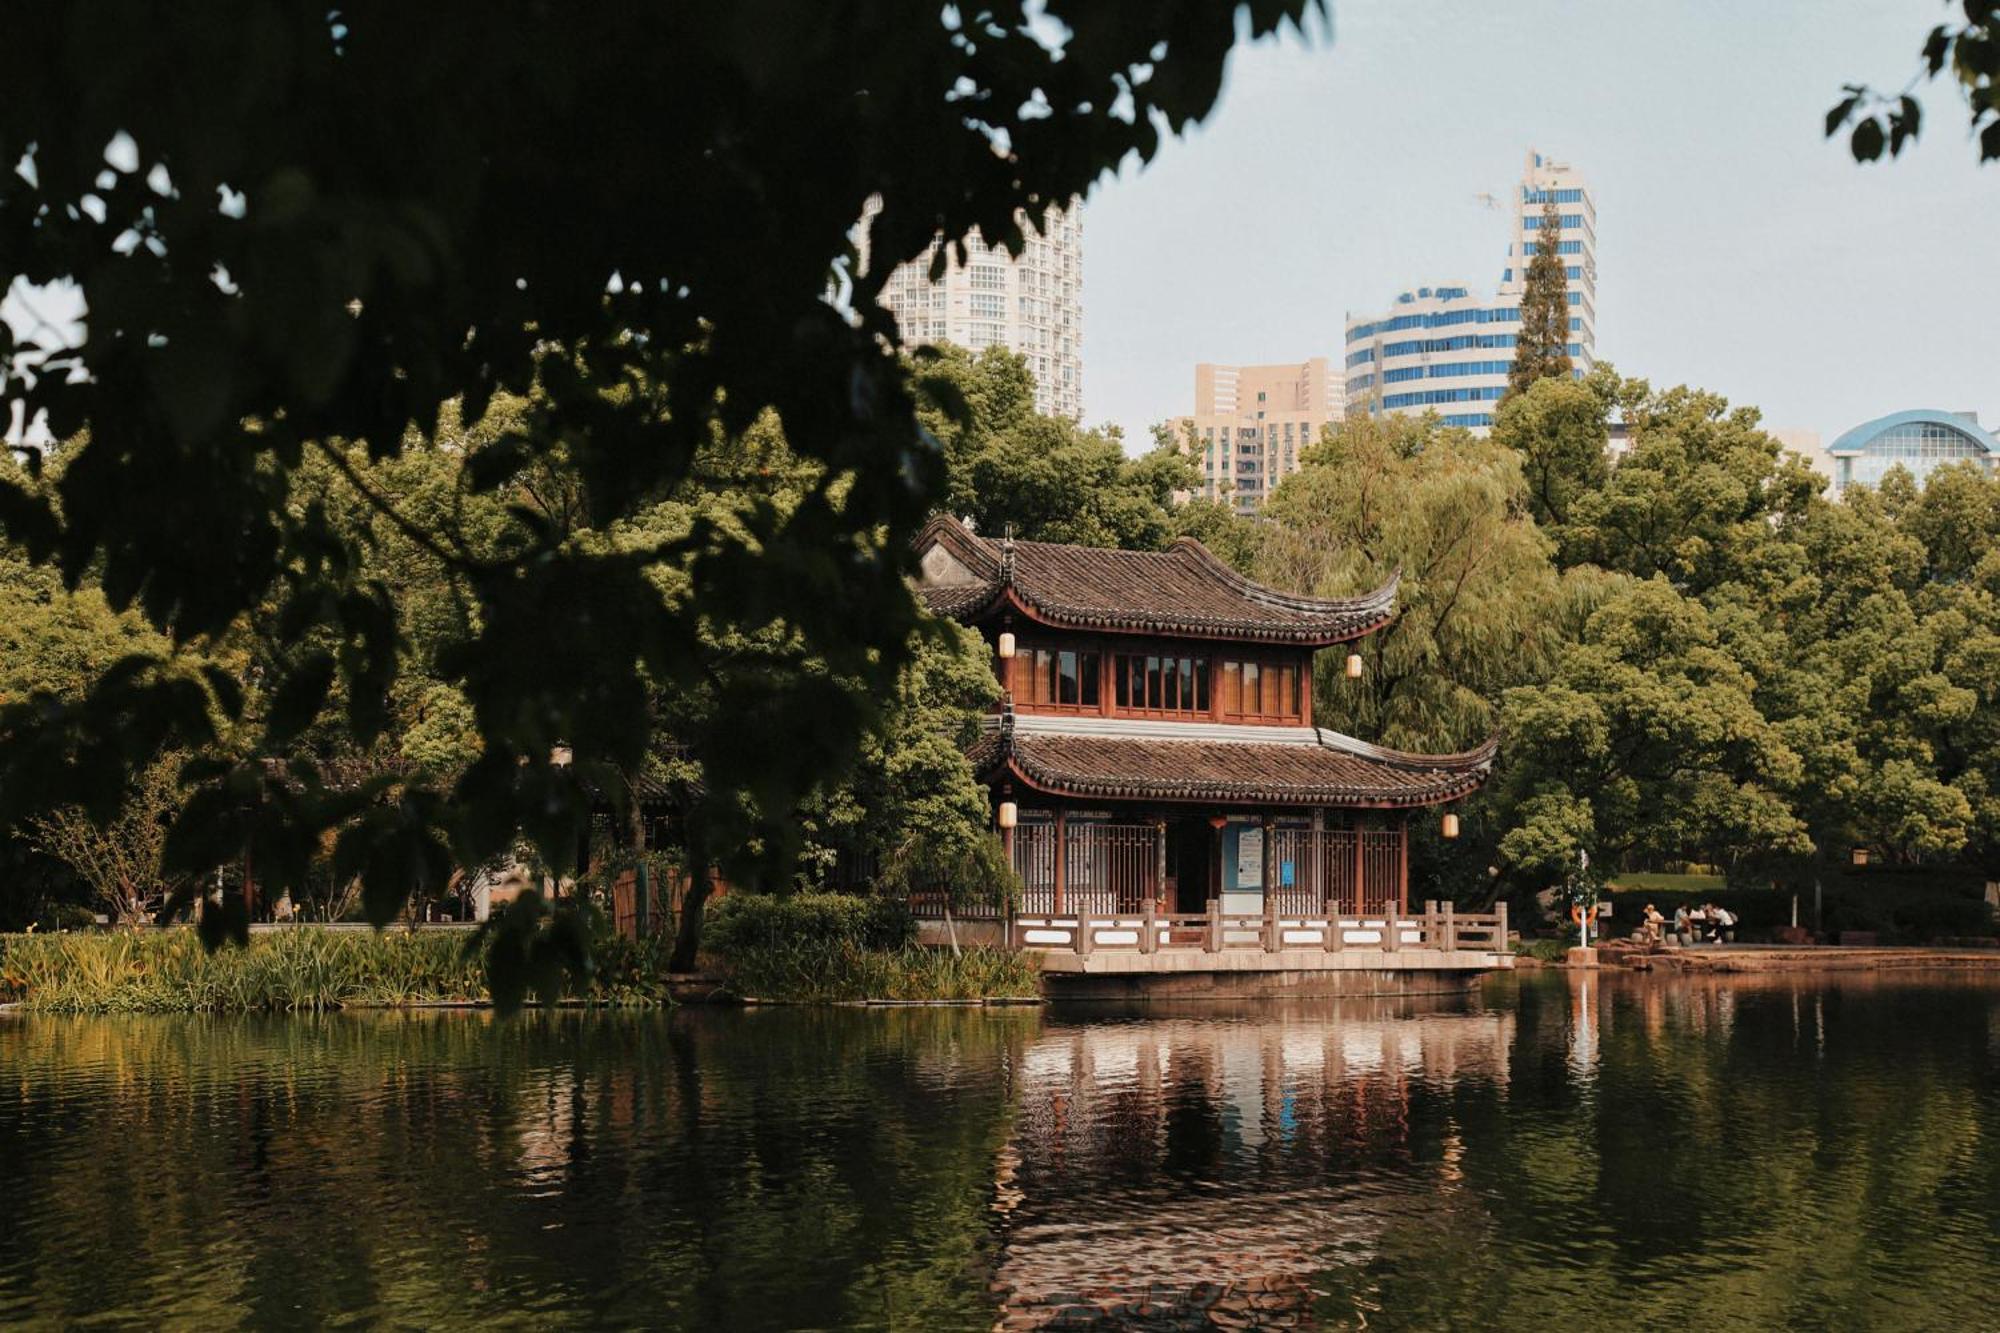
<point x="1737" y="249"/>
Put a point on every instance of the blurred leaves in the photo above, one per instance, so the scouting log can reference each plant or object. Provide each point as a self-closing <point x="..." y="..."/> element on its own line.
<point x="1969" y="51"/>
<point x="302" y="320"/>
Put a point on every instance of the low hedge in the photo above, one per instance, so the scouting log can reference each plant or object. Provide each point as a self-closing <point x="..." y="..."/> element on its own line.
<point x="741" y="922"/>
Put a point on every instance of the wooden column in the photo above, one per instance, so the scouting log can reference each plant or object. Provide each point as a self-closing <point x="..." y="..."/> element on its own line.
<point x="1360" y="868"/>
<point x="1403" y="861"/>
<point x="1062" y="857"/>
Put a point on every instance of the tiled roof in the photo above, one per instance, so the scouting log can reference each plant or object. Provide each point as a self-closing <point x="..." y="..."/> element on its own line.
<point x="1182" y="590"/>
<point x="1335" y="771"/>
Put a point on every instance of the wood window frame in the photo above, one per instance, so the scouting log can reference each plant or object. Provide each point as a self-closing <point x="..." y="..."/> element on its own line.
<point x="1023" y="676"/>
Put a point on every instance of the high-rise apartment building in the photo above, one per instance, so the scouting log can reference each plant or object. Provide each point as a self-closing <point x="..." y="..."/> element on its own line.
<point x="1251" y="423"/>
<point x="1032" y="305"/>
<point x="1445" y="350"/>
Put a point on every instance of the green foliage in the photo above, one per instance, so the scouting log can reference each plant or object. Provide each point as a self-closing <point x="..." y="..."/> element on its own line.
<point x="294" y="970"/>
<point x="1043" y="477"/>
<point x="817" y="947"/>
<point x="1541" y="345"/>
<point x="744" y="921"/>
<point x="822" y="972"/>
<point x="169" y="971"/>
<point x="1647" y="742"/>
<point x="1477" y="597"/>
<point x="1559" y="425"/>
<point x="334" y="288"/>
<point x="911" y="805"/>
<point x="1696" y="496"/>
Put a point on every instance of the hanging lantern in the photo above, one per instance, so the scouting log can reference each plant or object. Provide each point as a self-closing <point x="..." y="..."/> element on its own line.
<point x="1861" y="856"/>
<point x="1450" y="825"/>
<point x="1010" y="814"/>
<point x="1354" y="666"/>
<point x="1006" y="643"/>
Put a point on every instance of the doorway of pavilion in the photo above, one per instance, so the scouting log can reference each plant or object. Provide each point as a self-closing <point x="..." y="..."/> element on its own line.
<point x="1191" y="862"/>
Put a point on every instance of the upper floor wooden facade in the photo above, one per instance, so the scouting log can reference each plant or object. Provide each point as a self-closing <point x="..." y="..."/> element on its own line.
<point x="1170" y="635"/>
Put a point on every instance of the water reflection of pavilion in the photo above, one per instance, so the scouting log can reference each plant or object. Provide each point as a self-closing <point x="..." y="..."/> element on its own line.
<point x="1197" y="1172"/>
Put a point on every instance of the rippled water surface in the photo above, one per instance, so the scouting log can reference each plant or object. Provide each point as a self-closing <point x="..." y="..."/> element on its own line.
<point x="1561" y="1152"/>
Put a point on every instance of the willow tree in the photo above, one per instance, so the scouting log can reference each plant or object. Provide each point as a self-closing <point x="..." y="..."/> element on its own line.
<point x="1475" y="604"/>
<point x="1541" y="346"/>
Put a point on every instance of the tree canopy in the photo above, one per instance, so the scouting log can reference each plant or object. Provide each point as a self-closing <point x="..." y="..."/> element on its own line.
<point x="355" y="225"/>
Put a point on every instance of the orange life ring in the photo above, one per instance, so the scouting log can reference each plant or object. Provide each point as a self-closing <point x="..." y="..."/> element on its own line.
<point x="1576" y="913"/>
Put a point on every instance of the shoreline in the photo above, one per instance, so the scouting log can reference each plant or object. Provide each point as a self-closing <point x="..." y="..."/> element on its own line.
<point x="1783" y="958"/>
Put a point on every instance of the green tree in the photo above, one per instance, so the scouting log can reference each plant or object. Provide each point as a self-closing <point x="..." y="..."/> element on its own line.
<point x="1044" y="477"/>
<point x="1561" y="427"/>
<point x="1696" y="496"/>
<point x="1541" y="346"/>
<point x="329" y="283"/>
<point x="121" y="860"/>
<point x="1646" y="742"/>
<point x="911" y="805"/>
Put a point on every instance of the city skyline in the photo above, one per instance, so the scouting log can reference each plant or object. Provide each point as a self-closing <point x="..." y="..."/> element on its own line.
<point x="1824" y="293"/>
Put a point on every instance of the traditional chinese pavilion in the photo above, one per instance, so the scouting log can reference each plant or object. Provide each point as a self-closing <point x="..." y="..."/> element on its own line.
<point x="1155" y="750"/>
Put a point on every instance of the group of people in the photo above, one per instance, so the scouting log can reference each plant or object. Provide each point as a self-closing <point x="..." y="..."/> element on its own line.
<point x="1709" y="923"/>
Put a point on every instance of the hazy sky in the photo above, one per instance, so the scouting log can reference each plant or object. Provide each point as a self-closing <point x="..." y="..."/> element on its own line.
<point x="1737" y="249"/>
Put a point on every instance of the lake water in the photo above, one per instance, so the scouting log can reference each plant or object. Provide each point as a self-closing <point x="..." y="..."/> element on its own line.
<point x="1557" y="1152"/>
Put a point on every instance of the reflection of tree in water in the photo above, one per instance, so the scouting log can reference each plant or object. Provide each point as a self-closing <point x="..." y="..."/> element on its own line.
<point x="1197" y="1172"/>
<point x="695" y="1171"/>
<point x="1755" y="1152"/>
<point x="1737" y="1151"/>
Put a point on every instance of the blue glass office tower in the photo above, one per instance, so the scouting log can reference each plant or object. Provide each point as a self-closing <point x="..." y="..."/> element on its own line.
<point x="1446" y="350"/>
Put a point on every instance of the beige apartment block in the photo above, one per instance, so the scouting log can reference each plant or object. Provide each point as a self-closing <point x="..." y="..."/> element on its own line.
<point x="1252" y="423"/>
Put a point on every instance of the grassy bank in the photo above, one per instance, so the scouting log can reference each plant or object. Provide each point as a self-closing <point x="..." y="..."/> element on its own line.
<point x="166" y="971"/>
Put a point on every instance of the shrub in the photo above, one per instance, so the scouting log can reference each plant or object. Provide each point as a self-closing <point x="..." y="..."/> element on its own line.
<point x="742" y="922"/>
<point x="829" y="971"/>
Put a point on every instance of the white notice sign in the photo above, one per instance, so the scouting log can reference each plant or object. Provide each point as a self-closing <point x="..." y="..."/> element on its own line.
<point x="1250" y="858"/>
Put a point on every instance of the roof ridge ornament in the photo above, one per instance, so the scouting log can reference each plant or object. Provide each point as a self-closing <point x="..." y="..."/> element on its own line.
<point x="1007" y="556"/>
